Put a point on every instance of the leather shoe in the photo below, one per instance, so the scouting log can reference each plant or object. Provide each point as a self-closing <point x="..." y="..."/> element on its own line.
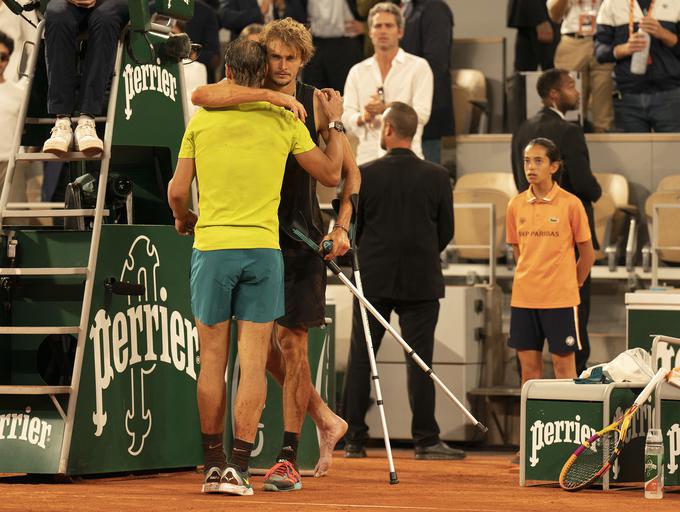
<point x="439" y="451"/>
<point x="354" y="451"/>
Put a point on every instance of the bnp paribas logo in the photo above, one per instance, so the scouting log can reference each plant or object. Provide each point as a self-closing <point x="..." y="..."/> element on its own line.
<point x="130" y="343"/>
<point x="147" y="78"/>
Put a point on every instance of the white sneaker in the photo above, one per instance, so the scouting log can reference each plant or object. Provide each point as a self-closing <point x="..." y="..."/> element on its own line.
<point x="86" y="138"/>
<point x="60" y="138"/>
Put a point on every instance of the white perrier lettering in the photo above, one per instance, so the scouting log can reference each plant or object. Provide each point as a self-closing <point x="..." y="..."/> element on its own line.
<point x="147" y="77"/>
<point x="128" y="340"/>
<point x="23" y="427"/>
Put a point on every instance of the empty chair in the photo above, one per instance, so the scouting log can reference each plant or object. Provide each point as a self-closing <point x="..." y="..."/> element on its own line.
<point x="667" y="231"/>
<point x="671" y="182"/>
<point x="616" y="187"/>
<point x="502" y="181"/>
<point x="603" y="210"/>
<point x="470" y="100"/>
<point x="473" y="225"/>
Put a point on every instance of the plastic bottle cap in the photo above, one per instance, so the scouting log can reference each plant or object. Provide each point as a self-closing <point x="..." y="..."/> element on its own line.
<point x="654" y="435"/>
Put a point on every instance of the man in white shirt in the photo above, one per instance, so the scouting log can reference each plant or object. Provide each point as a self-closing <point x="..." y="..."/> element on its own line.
<point x="575" y="52"/>
<point x="390" y="75"/>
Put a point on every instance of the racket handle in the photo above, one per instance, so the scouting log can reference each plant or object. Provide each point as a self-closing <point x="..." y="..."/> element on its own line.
<point x="326" y="246"/>
<point x="481" y="427"/>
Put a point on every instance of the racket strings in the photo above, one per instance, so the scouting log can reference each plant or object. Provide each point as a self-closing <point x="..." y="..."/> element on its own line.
<point x="585" y="468"/>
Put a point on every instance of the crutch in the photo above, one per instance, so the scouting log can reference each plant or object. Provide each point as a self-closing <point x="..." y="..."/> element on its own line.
<point x="369" y="341"/>
<point x="300" y="235"/>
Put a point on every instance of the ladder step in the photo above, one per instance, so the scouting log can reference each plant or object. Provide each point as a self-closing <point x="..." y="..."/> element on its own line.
<point x="72" y="156"/>
<point x="50" y="213"/>
<point x="39" y="330"/>
<point x="43" y="271"/>
<point x="35" y="390"/>
<point x="51" y="120"/>
<point x="35" y="206"/>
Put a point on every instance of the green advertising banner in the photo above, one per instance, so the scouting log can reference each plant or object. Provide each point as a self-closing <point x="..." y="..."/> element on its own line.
<point x="137" y="400"/>
<point x="31" y="432"/>
<point x="643" y="324"/>
<point x="670" y="427"/>
<point x="555" y="428"/>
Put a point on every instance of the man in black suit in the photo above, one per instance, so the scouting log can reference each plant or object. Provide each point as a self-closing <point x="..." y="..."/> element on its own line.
<point x="405" y="219"/>
<point x="557" y="90"/>
<point x="428" y="33"/>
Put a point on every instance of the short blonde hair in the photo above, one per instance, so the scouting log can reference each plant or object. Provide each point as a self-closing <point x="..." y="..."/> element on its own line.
<point x="292" y="33"/>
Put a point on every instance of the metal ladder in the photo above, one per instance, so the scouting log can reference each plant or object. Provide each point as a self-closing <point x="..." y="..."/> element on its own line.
<point x="14" y="210"/>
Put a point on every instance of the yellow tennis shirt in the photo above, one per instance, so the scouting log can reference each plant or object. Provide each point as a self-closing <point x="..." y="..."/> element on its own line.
<point x="546" y="231"/>
<point x="240" y="155"/>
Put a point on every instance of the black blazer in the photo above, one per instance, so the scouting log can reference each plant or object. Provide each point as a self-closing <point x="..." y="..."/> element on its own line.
<point x="428" y="33"/>
<point x="235" y="15"/>
<point x="577" y="177"/>
<point x="405" y="220"/>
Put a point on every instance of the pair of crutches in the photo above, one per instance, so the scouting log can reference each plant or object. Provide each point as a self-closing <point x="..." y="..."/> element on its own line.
<point x="299" y="231"/>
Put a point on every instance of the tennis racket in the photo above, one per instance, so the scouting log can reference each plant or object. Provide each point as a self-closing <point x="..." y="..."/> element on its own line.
<point x="595" y="456"/>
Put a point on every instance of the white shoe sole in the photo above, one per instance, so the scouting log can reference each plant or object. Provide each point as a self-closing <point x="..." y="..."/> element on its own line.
<point x="238" y="490"/>
<point x="92" y="148"/>
<point x="55" y="149"/>
<point x="211" y="488"/>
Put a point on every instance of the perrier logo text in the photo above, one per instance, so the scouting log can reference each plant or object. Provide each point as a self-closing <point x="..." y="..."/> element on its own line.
<point x="147" y="77"/>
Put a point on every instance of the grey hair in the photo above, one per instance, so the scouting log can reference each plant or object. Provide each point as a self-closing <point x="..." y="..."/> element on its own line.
<point x="386" y="7"/>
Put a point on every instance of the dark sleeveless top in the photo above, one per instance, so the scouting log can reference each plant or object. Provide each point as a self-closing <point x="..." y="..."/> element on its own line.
<point x="298" y="192"/>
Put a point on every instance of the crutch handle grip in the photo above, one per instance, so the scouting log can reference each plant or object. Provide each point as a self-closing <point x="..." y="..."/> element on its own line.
<point x="326" y="246"/>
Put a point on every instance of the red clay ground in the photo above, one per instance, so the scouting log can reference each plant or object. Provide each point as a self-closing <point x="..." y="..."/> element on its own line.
<point x="480" y="483"/>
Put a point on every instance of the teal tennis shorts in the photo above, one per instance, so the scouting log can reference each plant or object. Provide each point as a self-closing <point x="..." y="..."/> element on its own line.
<point x="246" y="283"/>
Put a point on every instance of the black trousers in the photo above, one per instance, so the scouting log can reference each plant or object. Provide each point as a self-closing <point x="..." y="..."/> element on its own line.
<point x="417" y="320"/>
<point x="332" y="61"/>
<point x="583" y="317"/>
<point x="63" y="21"/>
<point x="530" y="53"/>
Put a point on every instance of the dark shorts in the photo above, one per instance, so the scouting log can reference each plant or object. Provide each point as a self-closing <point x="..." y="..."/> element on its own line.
<point x="246" y="283"/>
<point x="304" y="289"/>
<point x="529" y="328"/>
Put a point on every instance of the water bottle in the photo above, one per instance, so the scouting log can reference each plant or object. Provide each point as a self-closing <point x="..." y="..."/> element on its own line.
<point x="638" y="63"/>
<point x="654" y="464"/>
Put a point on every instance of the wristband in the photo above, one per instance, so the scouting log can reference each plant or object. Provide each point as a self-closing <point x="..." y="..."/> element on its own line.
<point x="339" y="226"/>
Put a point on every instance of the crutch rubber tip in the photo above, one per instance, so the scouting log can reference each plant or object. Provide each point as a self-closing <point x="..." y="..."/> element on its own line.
<point x="393" y="478"/>
<point x="482" y="428"/>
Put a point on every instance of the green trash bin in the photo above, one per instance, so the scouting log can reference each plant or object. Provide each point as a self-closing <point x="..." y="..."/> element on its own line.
<point x="270" y="429"/>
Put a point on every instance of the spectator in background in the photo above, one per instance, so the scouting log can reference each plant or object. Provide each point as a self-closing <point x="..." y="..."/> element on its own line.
<point x="651" y="101"/>
<point x="536" y="42"/>
<point x="390" y="75"/>
<point x="575" y="52"/>
<point x="20" y="31"/>
<point x="559" y="95"/>
<point x="195" y="72"/>
<point x="403" y="199"/>
<point x="252" y="32"/>
<point x="428" y="33"/>
<point x="235" y="15"/>
<point x="203" y="28"/>
<point x="338" y="39"/>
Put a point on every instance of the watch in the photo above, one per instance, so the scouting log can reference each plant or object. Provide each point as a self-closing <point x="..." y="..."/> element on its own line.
<point x="337" y="125"/>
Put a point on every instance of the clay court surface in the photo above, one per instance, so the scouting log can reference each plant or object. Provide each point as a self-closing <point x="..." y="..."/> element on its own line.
<point x="481" y="483"/>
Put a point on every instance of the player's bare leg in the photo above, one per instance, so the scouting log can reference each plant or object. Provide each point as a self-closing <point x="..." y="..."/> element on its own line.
<point x="564" y="365"/>
<point x="330" y="426"/>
